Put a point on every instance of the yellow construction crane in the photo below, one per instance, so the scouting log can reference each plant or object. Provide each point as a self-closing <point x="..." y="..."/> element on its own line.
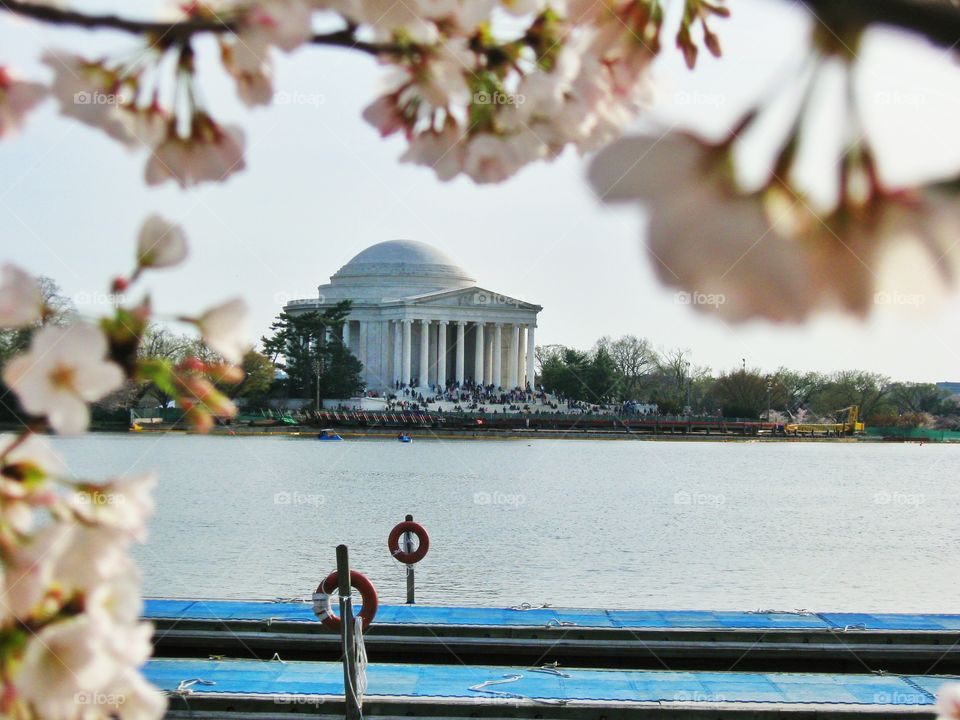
<point x="850" y="426"/>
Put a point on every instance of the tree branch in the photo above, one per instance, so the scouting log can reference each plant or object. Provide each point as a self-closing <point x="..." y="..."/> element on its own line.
<point x="172" y="33"/>
<point x="937" y="20"/>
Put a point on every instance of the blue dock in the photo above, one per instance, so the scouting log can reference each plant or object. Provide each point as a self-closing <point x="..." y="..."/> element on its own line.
<point x="250" y="687"/>
<point x="689" y="640"/>
<point x="542" y="617"/>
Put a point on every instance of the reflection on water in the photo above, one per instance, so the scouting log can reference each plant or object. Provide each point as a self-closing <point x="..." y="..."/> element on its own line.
<point x="568" y="522"/>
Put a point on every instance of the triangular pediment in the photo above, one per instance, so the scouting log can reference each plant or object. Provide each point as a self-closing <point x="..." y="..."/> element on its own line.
<point x="468" y="297"/>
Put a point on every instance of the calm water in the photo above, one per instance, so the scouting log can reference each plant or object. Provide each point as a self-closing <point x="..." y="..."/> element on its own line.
<point x="569" y="522"/>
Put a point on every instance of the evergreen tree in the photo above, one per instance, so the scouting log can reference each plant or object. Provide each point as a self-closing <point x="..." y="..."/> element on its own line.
<point x="313" y="354"/>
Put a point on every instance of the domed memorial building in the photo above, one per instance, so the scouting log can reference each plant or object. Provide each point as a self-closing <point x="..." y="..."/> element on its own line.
<point x="419" y="319"/>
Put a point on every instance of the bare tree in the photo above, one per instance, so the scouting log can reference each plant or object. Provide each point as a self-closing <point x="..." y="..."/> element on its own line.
<point x="634" y="359"/>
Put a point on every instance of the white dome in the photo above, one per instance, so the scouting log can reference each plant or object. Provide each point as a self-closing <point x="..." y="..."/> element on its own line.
<point x="404" y="258"/>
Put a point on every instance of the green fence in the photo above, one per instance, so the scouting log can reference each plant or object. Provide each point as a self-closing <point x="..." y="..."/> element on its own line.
<point x="914" y="434"/>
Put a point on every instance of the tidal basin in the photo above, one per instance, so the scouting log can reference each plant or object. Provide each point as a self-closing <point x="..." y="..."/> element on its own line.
<point x="699" y="525"/>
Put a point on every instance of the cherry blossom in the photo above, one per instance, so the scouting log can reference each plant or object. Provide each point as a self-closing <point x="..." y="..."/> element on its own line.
<point x="17" y="99"/>
<point x="492" y="158"/>
<point x="124" y="504"/>
<point x="65" y="661"/>
<point x="706" y="240"/>
<point x="65" y="369"/>
<point x="442" y="151"/>
<point x="224" y="329"/>
<point x="94" y="555"/>
<point x="388" y="19"/>
<point x="134" y="698"/>
<point x="160" y="244"/>
<point x="211" y="154"/>
<point x="948" y="702"/>
<point x="26" y="462"/>
<point x="30" y="570"/>
<point x="144" y="126"/>
<point x="21" y="298"/>
<point x="247" y="59"/>
<point x="767" y="254"/>
<point x="90" y="92"/>
<point x="29" y="458"/>
<point x="285" y="24"/>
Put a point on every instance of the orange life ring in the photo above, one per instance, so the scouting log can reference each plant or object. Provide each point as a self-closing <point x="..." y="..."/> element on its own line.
<point x="393" y="542"/>
<point x="323" y="609"/>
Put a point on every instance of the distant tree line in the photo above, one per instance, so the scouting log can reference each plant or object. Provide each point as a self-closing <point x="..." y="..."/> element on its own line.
<point x="303" y="355"/>
<point x="628" y="368"/>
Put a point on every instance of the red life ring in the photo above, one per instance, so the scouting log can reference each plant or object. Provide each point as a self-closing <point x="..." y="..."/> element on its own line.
<point x="324" y="611"/>
<point x="393" y="542"/>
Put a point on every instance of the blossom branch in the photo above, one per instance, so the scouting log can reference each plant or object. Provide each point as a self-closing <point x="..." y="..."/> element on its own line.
<point x="177" y="32"/>
<point x="937" y="20"/>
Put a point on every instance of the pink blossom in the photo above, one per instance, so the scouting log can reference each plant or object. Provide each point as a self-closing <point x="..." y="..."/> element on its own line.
<point x="224" y="329"/>
<point x="705" y="239"/>
<point x="948" y="702"/>
<point x="65" y="368"/>
<point x="21" y="299"/>
<point x="384" y="114"/>
<point x="247" y="59"/>
<point x="212" y="153"/>
<point x="160" y="244"/>
<point x="283" y="23"/>
<point x="492" y="158"/>
<point x="90" y="92"/>
<point x="17" y="99"/>
<point x="442" y="151"/>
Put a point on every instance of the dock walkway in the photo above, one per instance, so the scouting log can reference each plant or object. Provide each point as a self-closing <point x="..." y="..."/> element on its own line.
<point x="275" y="688"/>
<point x="639" y="639"/>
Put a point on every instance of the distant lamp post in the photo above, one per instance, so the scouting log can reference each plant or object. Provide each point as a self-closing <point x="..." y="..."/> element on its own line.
<point x="316" y="370"/>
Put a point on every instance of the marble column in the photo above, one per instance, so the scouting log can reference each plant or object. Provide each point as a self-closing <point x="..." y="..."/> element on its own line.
<point x="478" y="353"/>
<point x="432" y="366"/>
<point x="442" y="353"/>
<point x="521" y="357"/>
<point x="531" y="358"/>
<point x="397" y="352"/>
<point x="498" y="355"/>
<point x="424" y="353"/>
<point x="512" y="356"/>
<point x="461" y="343"/>
<point x="362" y="345"/>
<point x="346" y="334"/>
<point x="487" y="359"/>
<point x="407" y="372"/>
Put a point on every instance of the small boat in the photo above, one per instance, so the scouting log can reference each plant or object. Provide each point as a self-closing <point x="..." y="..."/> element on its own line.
<point x="404" y="438"/>
<point x="328" y="435"/>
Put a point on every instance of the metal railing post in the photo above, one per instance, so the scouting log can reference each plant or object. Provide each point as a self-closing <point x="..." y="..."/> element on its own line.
<point x="351" y="703"/>
<point x="408" y="547"/>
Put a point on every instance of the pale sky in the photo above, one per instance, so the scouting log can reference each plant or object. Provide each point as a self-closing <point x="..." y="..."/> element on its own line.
<point x="321" y="185"/>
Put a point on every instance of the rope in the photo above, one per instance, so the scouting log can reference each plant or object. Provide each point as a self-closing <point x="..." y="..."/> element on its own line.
<point x="527" y="606"/>
<point x="551" y="669"/>
<point x="800" y="611"/>
<point x="360" y="652"/>
<point x="506" y="679"/>
<point x="514" y="677"/>
<point x="184" y="687"/>
<point x="554" y="623"/>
